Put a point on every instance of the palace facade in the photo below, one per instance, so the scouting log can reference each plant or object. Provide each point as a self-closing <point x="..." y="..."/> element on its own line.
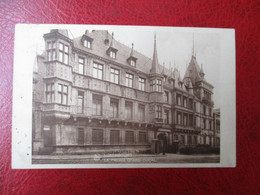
<point x="93" y="94"/>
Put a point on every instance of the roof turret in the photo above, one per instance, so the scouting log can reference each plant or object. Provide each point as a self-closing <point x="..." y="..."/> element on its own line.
<point x="155" y="64"/>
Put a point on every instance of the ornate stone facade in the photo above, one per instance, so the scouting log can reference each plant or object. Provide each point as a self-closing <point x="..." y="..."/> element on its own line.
<point x="94" y="94"/>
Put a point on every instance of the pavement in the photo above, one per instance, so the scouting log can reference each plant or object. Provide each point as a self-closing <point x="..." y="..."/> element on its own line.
<point x="124" y="158"/>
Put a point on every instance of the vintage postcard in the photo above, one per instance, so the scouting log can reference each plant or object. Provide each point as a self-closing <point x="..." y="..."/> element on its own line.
<point x="99" y="96"/>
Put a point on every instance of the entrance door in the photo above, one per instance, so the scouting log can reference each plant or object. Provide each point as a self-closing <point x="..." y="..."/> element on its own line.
<point x="163" y="142"/>
<point x="175" y="146"/>
<point x="47" y="136"/>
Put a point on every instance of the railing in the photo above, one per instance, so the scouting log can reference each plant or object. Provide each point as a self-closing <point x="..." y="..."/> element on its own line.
<point x="207" y="101"/>
<point x="56" y="107"/>
<point x="158" y="120"/>
<point x="103" y="114"/>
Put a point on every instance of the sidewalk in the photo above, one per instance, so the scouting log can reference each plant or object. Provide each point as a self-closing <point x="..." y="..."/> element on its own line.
<point x="124" y="158"/>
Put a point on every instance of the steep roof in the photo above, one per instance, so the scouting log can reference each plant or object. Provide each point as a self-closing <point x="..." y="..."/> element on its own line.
<point x="99" y="48"/>
<point x="155" y="64"/>
<point x="193" y="71"/>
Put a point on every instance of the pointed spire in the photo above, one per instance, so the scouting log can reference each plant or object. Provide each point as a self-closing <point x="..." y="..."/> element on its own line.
<point x="202" y="74"/>
<point x="155" y="68"/>
<point x="132" y="50"/>
<point x="106" y="41"/>
<point x="163" y="72"/>
<point x="193" y="47"/>
<point x="171" y="71"/>
<point x="112" y="40"/>
<point x="170" y="67"/>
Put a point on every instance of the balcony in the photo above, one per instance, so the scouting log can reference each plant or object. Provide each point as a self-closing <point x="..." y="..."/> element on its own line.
<point x="57" y="112"/>
<point x="207" y="101"/>
<point x="56" y="107"/>
<point x="158" y="120"/>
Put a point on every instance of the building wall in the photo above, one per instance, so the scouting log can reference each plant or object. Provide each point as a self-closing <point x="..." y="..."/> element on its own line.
<point x="63" y="134"/>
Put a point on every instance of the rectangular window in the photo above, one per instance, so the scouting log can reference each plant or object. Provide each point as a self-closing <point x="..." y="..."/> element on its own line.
<point x="195" y="140"/>
<point x="129" y="137"/>
<point x="184" y="102"/>
<point x="158" y="112"/>
<point x="182" y="141"/>
<point x="159" y="85"/>
<point x="185" y="119"/>
<point x="190" y="121"/>
<point x="166" y="96"/>
<point x="189" y="140"/>
<point x="204" y="140"/>
<point x="141" y="84"/>
<point x="217" y="124"/>
<point x="80" y="136"/>
<point x="207" y="95"/>
<point x="114" y="75"/>
<point x="114" y="137"/>
<point x="114" y="108"/>
<point x="210" y="112"/>
<point x="210" y="125"/>
<point x="132" y="63"/>
<point x="178" y="118"/>
<point x="87" y="43"/>
<point x="204" y="109"/>
<point x="63" y="53"/>
<point x="80" y="101"/>
<point x="81" y="65"/>
<point x="194" y="107"/>
<point x="62" y="94"/>
<point x="129" y="110"/>
<point x="142" y="137"/>
<point x="153" y="85"/>
<point x="112" y="54"/>
<point x="178" y="96"/>
<point x="204" y="123"/>
<point x="195" y="121"/>
<point x="97" y="104"/>
<point x="129" y="80"/>
<point x="217" y="141"/>
<point x="50" y="93"/>
<point x="156" y="85"/>
<point x="176" y="137"/>
<point x="190" y="104"/>
<point x="97" y="136"/>
<point x="141" y="113"/>
<point x="166" y="116"/>
<point x="98" y="71"/>
<point x="51" y="50"/>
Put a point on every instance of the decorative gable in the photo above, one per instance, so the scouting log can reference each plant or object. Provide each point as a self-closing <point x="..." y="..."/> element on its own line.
<point x="86" y="40"/>
<point x="111" y="51"/>
<point x="132" y="60"/>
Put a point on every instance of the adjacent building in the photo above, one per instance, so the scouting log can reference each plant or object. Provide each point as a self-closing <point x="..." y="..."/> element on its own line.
<point x="216" y="115"/>
<point x="93" y="94"/>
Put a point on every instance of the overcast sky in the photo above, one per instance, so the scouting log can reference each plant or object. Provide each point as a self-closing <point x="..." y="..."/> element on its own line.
<point x="174" y="45"/>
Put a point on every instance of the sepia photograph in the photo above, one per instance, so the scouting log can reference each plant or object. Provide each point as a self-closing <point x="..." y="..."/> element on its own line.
<point x="93" y="96"/>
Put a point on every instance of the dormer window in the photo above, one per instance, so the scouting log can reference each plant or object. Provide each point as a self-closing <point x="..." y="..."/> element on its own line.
<point x="87" y="43"/>
<point x="87" y="40"/>
<point x="132" y="63"/>
<point x="111" y="51"/>
<point x="132" y="60"/>
<point x="112" y="54"/>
